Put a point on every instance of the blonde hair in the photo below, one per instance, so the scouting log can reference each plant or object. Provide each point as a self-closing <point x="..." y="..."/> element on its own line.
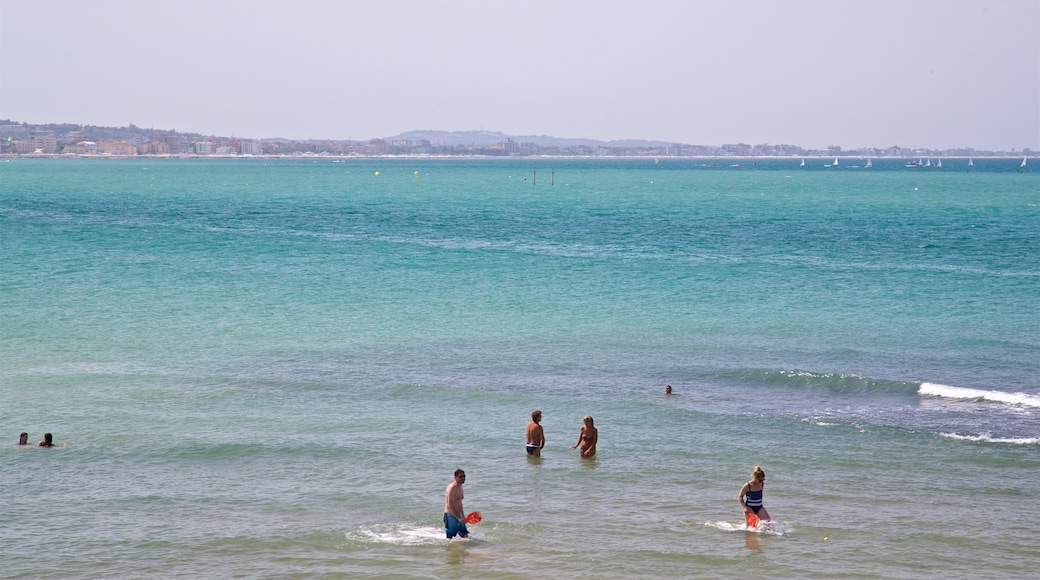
<point x="758" y="474"/>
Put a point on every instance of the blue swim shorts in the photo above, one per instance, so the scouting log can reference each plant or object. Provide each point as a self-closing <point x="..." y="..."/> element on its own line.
<point x="453" y="527"/>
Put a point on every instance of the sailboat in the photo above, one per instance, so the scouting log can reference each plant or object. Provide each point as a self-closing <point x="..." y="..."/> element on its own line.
<point x="928" y="163"/>
<point x="938" y="163"/>
<point x="970" y="162"/>
<point x="802" y="164"/>
<point x="835" y="164"/>
<point x="868" y="165"/>
<point x="1023" y="164"/>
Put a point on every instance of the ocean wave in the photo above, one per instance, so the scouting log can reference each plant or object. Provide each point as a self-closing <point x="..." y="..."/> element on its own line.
<point x="986" y="438"/>
<point x="948" y="392"/>
<point x="88" y="368"/>
<point x="838" y="382"/>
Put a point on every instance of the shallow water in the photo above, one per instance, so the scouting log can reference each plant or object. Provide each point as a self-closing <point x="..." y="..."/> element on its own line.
<point x="270" y="368"/>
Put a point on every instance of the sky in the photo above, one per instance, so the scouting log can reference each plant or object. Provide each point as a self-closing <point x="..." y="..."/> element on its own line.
<point x="915" y="73"/>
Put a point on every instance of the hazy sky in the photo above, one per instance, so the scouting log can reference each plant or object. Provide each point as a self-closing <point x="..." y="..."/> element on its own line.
<point x="940" y="74"/>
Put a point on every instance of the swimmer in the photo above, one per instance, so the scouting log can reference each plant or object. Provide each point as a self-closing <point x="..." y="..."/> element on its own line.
<point x="587" y="438"/>
<point x="751" y="495"/>
<point x="48" y="441"/>
<point x="668" y="389"/>
<point x="23" y="439"/>
<point x="535" y="435"/>
<point x="454" y="517"/>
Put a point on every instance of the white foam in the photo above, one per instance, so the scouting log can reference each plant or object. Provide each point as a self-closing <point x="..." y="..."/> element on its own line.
<point x="400" y="535"/>
<point x="949" y="392"/>
<point x="772" y="527"/>
<point x="985" y="437"/>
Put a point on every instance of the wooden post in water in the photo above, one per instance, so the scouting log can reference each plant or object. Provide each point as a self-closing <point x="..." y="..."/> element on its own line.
<point x="552" y="177"/>
<point x="534" y="177"/>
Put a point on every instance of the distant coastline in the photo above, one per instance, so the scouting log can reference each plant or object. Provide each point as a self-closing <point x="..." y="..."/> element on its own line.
<point x="70" y="140"/>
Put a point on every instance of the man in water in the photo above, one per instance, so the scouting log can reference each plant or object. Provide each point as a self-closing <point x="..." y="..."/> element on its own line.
<point x="535" y="435"/>
<point x="668" y="389"/>
<point x="454" y="518"/>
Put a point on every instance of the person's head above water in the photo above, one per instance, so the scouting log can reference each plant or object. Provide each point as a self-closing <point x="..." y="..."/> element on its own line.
<point x="758" y="474"/>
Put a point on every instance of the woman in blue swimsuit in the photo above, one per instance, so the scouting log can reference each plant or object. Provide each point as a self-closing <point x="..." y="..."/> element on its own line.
<point x="751" y="494"/>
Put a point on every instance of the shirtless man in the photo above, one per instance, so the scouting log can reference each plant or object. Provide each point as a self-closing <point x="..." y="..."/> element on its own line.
<point x="535" y="435"/>
<point x="454" y="518"/>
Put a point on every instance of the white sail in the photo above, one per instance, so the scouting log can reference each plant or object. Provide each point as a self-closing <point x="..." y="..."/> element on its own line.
<point x="869" y="164"/>
<point x="802" y="164"/>
<point x="971" y="163"/>
<point x="1023" y="164"/>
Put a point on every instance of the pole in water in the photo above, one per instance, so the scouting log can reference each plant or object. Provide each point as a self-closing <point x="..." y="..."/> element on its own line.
<point x="552" y="177"/>
<point x="534" y="177"/>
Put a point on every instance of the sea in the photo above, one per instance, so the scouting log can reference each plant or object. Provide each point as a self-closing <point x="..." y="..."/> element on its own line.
<point x="271" y="368"/>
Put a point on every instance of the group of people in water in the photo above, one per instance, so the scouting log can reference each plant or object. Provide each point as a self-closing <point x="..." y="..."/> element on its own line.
<point x="455" y="516"/>
<point x="48" y="440"/>
<point x="587" y="437"/>
<point x="750" y="494"/>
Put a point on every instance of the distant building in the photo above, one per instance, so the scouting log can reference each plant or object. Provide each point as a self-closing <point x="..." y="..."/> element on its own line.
<point x="173" y="144"/>
<point x="739" y="149"/>
<point x="203" y="148"/>
<point x="376" y="147"/>
<point x="152" y="148"/>
<point x="252" y="148"/>
<point x="81" y="148"/>
<point x="44" y="142"/>
<point x="116" y="147"/>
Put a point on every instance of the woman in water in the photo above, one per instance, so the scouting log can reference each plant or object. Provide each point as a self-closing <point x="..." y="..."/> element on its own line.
<point x="48" y="441"/>
<point x="587" y="438"/>
<point x="751" y="495"/>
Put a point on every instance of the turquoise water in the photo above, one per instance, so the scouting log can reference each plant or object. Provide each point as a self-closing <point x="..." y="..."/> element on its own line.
<point x="270" y="368"/>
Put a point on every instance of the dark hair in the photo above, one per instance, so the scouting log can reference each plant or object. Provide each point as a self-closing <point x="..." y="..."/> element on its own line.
<point x="459" y="472"/>
<point x="535" y="414"/>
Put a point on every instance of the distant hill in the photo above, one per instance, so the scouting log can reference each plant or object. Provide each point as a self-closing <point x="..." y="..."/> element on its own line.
<point x="489" y="138"/>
